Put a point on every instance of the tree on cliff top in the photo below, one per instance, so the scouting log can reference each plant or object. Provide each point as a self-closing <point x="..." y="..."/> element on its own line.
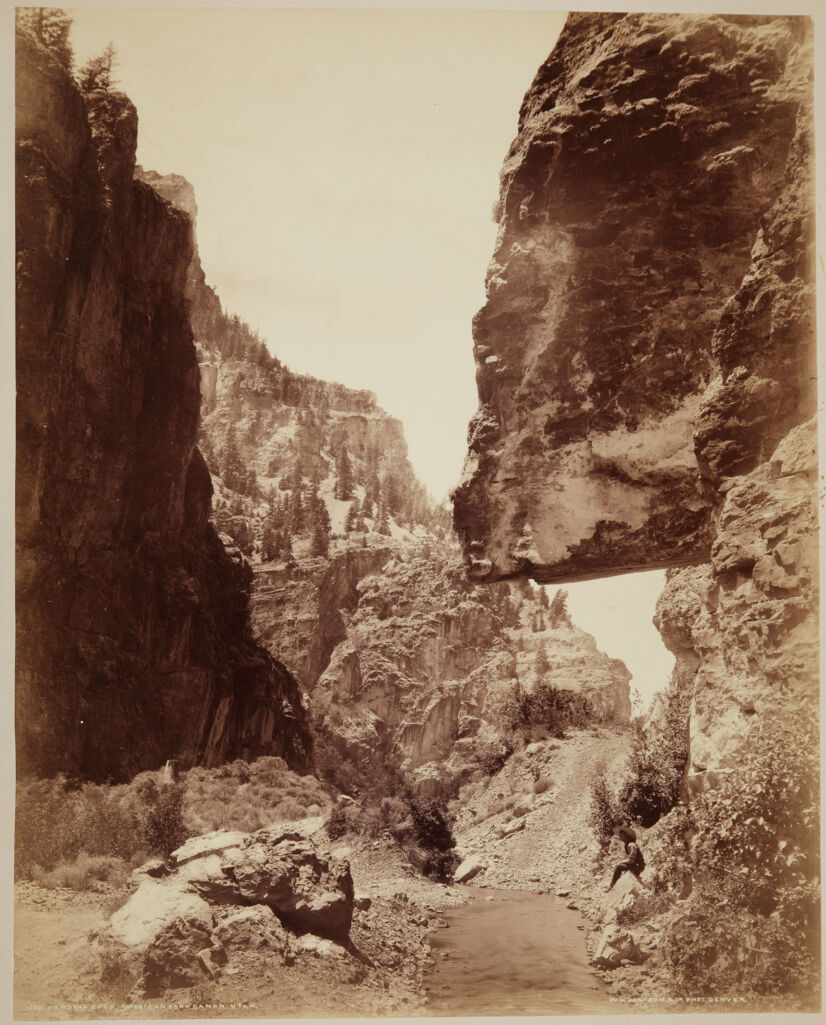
<point x="97" y="74"/>
<point x="50" y="26"/>
<point x="558" y="612"/>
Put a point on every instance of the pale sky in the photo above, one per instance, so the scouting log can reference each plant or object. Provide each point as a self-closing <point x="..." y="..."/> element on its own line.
<point x="345" y="163"/>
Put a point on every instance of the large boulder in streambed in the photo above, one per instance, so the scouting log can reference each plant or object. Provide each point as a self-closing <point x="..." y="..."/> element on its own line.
<point x="626" y="893"/>
<point x="308" y="890"/>
<point x="470" y="867"/>
<point x="615" y="946"/>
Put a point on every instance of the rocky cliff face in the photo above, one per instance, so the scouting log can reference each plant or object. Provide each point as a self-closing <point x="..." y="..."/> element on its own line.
<point x="613" y="397"/>
<point x="133" y="640"/>
<point x="430" y="662"/>
<point x="645" y="356"/>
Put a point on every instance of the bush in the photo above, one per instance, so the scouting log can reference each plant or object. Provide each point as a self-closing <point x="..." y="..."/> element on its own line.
<point x="658" y="759"/>
<point x="491" y="757"/>
<point x="758" y="830"/>
<point x="752" y="924"/>
<point x="83" y="873"/>
<point x="336" y="825"/>
<point x="715" y="950"/>
<point x="55" y="821"/>
<point x="163" y="827"/>
<point x="543" y="784"/>
<point x="546" y="711"/>
<point x="604" y="812"/>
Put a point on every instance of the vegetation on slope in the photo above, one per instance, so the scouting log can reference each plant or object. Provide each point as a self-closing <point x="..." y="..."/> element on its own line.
<point x="69" y="833"/>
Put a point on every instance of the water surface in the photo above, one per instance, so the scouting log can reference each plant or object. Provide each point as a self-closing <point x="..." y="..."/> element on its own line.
<point x="520" y="953"/>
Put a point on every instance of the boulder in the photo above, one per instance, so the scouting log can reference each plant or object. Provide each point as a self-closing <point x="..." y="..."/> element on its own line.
<point x="307" y="889"/>
<point x="469" y="868"/>
<point x="625" y="369"/>
<point x="163" y="929"/>
<point x="155" y="868"/>
<point x="210" y="843"/>
<point x="626" y="892"/>
<point x="252" y="927"/>
<point x="320" y="947"/>
<point x="151" y="909"/>
<point x="180" y="955"/>
<point x="514" y="826"/>
<point x="615" y="946"/>
<point x="206" y="876"/>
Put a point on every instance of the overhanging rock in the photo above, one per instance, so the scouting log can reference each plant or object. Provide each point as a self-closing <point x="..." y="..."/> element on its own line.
<point x="632" y="246"/>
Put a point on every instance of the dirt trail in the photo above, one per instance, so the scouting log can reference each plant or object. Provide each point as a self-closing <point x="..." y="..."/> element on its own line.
<point x="557" y="848"/>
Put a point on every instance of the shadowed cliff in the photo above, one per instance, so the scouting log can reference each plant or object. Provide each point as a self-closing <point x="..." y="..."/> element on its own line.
<point x="133" y="639"/>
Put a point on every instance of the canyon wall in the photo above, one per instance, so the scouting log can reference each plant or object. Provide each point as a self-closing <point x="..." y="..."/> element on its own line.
<point x="645" y="357"/>
<point x="651" y="148"/>
<point x="133" y="638"/>
<point x="431" y="664"/>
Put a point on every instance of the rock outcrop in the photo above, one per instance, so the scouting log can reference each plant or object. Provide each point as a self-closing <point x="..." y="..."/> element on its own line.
<point x="228" y="890"/>
<point x="431" y="663"/>
<point x="646" y="354"/>
<point x="658" y="194"/>
<point x="133" y="640"/>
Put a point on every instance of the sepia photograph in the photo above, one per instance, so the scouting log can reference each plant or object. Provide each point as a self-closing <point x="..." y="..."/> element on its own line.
<point x="416" y="603"/>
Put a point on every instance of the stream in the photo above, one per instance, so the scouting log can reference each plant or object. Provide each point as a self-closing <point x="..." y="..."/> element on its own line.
<point x="519" y="953"/>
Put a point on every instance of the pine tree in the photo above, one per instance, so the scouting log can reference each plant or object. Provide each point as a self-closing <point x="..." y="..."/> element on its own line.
<point x="344" y="475"/>
<point x="383" y="524"/>
<point x="372" y="492"/>
<point x="351" y="518"/>
<point x="296" y="517"/>
<point x="288" y="554"/>
<point x="97" y="74"/>
<point x="392" y="491"/>
<point x="558" y="611"/>
<point x="320" y="545"/>
<point x="270" y="542"/>
<point x="543" y="598"/>
<point x="231" y="466"/>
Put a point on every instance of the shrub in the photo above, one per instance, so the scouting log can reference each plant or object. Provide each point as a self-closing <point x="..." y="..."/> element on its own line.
<point x="752" y="924"/>
<point x="604" y="811"/>
<point x="658" y="758"/>
<point x="491" y="757"/>
<point x="543" y="784"/>
<point x="56" y="821"/>
<point x="757" y="836"/>
<point x="715" y="950"/>
<point x="431" y="824"/>
<point x="163" y="827"/>
<point x="83" y="873"/>
<point x="546" y="711"/>
<point x="336" y="825"/>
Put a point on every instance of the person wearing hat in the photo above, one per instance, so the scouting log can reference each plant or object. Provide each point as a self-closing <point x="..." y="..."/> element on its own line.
<point x="634" y="861"/>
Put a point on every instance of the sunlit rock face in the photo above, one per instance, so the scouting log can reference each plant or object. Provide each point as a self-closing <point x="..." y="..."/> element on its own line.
<point x="133" y="638"/>
<point x="430" y="664"/>
<point x="616" y="389"/>
<point x="646" y="355"/>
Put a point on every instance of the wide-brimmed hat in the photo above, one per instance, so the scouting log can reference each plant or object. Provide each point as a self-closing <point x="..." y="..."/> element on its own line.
<point x="625" y="831"/>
